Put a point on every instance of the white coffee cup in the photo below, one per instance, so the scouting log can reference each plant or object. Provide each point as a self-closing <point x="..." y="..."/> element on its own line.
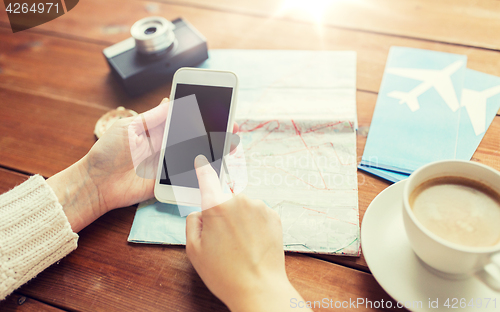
<point x="440" y="256"/>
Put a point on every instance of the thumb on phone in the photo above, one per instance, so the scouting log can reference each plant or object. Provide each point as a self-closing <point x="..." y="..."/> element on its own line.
<point x="209" y="183"/>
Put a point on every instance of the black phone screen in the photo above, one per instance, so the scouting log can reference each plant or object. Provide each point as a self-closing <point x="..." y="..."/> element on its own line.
<point x="197" y="126"/>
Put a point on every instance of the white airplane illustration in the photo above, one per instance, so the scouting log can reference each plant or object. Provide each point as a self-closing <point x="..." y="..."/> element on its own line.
<point x="475" y="104"/>
<point x="439" y="79"/>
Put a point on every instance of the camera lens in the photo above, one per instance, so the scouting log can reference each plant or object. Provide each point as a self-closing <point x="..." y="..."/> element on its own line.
<point x="150" y="30"/>
<point x="153" y="34"/>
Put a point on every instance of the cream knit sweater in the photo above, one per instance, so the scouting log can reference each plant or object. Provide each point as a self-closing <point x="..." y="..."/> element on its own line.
<point x="34" y="233"/>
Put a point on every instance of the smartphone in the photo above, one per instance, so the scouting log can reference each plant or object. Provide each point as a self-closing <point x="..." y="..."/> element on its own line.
<point x="200" y="121"/>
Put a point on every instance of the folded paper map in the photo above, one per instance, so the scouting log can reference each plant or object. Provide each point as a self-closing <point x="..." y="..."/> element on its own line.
<point x="297" y="117"/>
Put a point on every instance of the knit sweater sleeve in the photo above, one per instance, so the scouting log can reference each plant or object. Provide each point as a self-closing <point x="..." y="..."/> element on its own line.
<point x="34" y="233"/>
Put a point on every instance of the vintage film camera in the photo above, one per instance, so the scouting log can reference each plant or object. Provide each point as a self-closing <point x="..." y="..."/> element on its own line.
<point x="155" y="51"/>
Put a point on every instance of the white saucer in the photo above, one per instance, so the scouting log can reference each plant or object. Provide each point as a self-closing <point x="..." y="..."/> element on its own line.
<point x="398" y="270"/>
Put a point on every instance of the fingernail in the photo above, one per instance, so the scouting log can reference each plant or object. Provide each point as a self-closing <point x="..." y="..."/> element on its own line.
<point x="200" y="160"/>
<point x="164" y="101"/>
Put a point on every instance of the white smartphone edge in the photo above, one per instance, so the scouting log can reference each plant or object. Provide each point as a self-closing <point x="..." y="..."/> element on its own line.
<point x="196" y="76"/>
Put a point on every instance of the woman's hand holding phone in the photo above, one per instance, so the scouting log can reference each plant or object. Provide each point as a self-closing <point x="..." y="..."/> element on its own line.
<point x="236" y="246"/>
<point x="107" y="177"/>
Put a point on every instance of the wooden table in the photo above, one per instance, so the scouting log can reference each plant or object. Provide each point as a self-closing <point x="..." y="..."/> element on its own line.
<point x="55" y="84"/>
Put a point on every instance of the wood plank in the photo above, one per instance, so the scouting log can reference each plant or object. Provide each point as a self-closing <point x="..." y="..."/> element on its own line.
<point x="107" y="273"/>
<point x="465" y="22"/>
<point x="61" y="69"/>
<point x="9" y="179"/>
<point x="21" y="303"/>
<point x="488" y="151"/>
<point x="43" y="135"/>
<point x="64" y="60"/>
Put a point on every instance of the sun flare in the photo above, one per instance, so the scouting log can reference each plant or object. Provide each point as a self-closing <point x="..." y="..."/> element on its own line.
<point x="313" y="8"/>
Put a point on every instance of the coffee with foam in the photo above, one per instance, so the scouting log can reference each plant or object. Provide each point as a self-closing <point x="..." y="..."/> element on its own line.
<point x="460" y="210"/>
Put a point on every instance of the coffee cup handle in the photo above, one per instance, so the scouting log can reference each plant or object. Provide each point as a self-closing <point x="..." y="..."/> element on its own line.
<point x="490" y="274"/>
